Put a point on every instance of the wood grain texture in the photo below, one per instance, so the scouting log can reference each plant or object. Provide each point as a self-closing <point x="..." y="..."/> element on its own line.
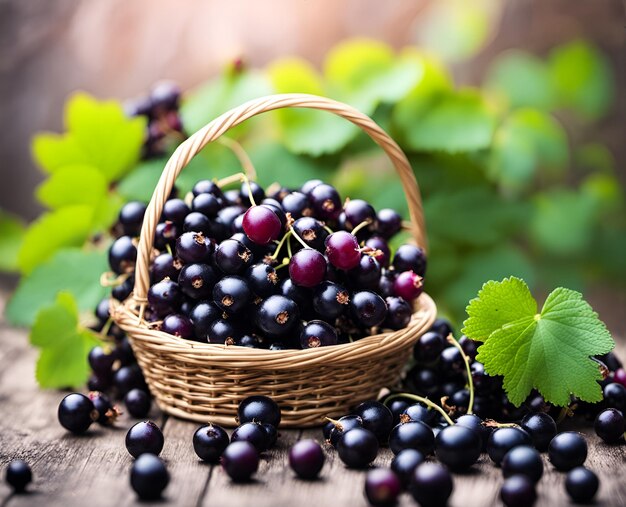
<point x="93" y="470"/>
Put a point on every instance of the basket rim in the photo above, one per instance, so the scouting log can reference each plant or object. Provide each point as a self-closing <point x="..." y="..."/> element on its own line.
<point x="126" y="316"/>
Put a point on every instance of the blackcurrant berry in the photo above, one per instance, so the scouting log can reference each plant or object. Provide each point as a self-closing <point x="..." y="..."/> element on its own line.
<point x="76" y="413"/>
<point x="149" y="477"/>
<point x="179" y="325"/>
<point x="609" y="426"/>
<point x="232" y="294"/>
<point x="209" y="442"/>
<point x="429" y="347"/>
<point x="523" y="460"/>
<point x="357" y="447"/>
<point x="164" y="297"/>
<point x="412" y="435"/>
<point x="18" y="475"/>
<point x="388" y="223"/>
<point x="458" y="447"/>
<point x="567" y="450"/>
<point x="399" y="313"/>
<point x="342" y="250"/>
<point x="311" y="231"/>
<point x="144" y="437"/>
<point x="240" y="460"/>
<point x="131" y="217"/>
<point x="307" y="267"/>
<point x="431" y="485"/>
<point x="502" y="440"/>
<point x="330" y="299"/>
<point x="518" y="491"/>
<point x="541" y="428"/>
<point x="306" y="459"/>
<point x="232" y="257"/>
<point x="277" y="315"/>
<point x="317" y="333"/>
<point x="326" y="201"/>
<point x="368" y="308"/>
<point x="297" y="205"/>
<point x="404" y="464"/>
<point x="194" y="247"/>
<point x="581" y="484"/>
<point x="408" y="285"/>
<point x="261" y="224"/>
<point x="377" y="418"/>
<point x="137" y="403"/>
<point x="202" y="316"/>
<point x="262" y="279"/>
<point x="259" y="408"/>
<point x="410" y="258"/>
<point x="382" y="487"/>
<point x="344" y="424"/>
<point x="122" y="255"/>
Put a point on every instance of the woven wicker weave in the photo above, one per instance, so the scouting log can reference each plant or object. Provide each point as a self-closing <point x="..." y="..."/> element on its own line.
<point x="205" y="382"/>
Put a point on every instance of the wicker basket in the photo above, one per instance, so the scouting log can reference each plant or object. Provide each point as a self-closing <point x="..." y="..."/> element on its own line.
<point x="205" y="382"/>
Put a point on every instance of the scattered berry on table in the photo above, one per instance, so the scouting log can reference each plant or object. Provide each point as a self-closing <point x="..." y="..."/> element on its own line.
<point x="18" y="475"/>
<point x="149" y="476"/>
<point x="144" y="437"/>
<point x="306" y="459"/>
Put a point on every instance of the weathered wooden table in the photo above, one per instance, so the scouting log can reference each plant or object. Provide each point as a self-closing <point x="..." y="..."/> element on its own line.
<point x="93" y="470"/>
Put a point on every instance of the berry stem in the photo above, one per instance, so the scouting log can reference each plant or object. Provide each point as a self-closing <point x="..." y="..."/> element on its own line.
<point x="328" y="229"/>
<point x="233" y="178"/>
<point x="283" y="264"/>
<point x="241" y="155"/>
<point x="295" y="235"/>
<point x="274" y="256"/>
<point x="363" y="224"/>
<point x="108" y="279"/>
<point x="244" y="179"/>
<point x="425" y="401"/>
<point x="289" y="254"/>
<point x="470" y="381"/>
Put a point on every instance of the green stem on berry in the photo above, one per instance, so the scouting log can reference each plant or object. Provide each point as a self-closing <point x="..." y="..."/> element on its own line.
<point x="295" y="235"/>
<point x="420" y="399"/>
<point x="233" y="178"/>
<point x="109" y="279"/>
<point x="274" y="256"/>
<point x="364" y="223"/>
<point x="105" y="329"/>
<point x="244" y="179"/>
<point x="283" y="264"/>
<point x="241" y="155"/>
<point x="168" y="247"/>
<point x="492" y="423"/>
<point x="328" y="229"/>
<point x="470" y="381"/>
<point x="289" y="254"/>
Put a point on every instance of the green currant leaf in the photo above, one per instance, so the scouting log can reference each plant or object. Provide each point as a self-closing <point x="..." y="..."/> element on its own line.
<point x="72" y="184"/>
<point x="65" y="227"/>
<point x="111" y="141"/>
<point x="274" y="163"/>
<point x="229" y="90"/>
<point x="306" y="131"/>
<point x="475" y="215"/>
<point x="366" y="72"/>
<point x="571" y="213"/>
<point x="549" y="351"/>
<point x="582" y="78"/>
<point x="64" y="344"/>
<point x="11" y="236"/>
<point x="472" y="269"/>
<point x="71" y="270"/>
<point x="529" y="140"/>
<point x="53" y="151"/>
<point x="454" y="29"/>
<point x="523" y="80"/>
<point x="452" y="122"/>
<point x="139" y="184"/>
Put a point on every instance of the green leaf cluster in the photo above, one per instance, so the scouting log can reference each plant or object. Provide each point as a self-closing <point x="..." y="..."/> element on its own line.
<point x="549" y="350"/>
<point x="64" y="344"/>
<point x="99" y="147"/>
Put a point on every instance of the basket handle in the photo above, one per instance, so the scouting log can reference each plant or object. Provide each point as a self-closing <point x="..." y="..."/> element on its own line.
<point x="190" y="147"/>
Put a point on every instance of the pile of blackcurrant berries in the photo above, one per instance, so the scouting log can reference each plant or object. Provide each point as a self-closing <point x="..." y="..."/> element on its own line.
<point x="296" y="269"/>
<point x="462" y="427"/>
<point x="165" y="125"/>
